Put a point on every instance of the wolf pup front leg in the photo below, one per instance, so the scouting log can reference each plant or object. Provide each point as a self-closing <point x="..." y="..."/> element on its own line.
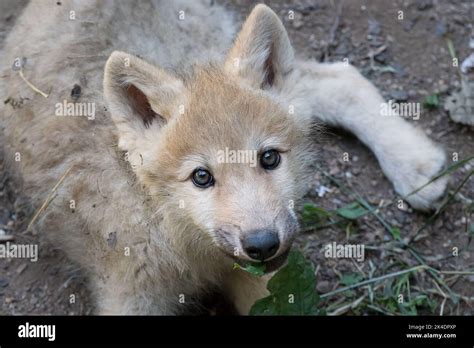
<point x="339" y="95"/>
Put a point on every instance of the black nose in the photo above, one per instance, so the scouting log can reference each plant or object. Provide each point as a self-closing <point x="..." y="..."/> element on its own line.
<point x="261" y="244"/>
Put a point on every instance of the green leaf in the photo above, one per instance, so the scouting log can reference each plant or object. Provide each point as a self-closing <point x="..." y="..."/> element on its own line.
<point x="312" y="214"/>
<point x="350" y="279"/>
<point x="292" y="290"/>
<point x="352" y="211"/>
<point x="256" y="269"/>
<point x="395" y="233"/>
<point x="431" y="101"/>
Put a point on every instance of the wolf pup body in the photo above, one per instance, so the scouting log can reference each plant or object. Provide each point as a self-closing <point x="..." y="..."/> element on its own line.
<point x="158" y="216"/>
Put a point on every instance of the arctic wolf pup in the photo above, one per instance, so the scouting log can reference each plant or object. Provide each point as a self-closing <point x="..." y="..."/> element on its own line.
<point x="146" y="203"/>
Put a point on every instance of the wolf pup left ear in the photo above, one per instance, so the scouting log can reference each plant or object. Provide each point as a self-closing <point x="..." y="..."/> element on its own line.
<point x="139" y="95"/>
<point x="262" y="54"/>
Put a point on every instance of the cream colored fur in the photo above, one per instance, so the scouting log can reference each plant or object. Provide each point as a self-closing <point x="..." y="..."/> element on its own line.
<point x="142" y="231"/>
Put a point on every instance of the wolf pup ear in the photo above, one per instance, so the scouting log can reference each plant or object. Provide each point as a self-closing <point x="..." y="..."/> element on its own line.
<point x="262" y="54"/>
<point x="139" y="95"/>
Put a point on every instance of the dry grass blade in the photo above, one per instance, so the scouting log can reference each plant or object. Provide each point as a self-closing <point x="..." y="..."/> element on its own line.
<point x="32" y="86"/>
<point x="373" y="280"/>
<point x="49" y="199"/>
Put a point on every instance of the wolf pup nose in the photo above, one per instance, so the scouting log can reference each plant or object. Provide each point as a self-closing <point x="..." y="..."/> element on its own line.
<point x="261" y="244"/>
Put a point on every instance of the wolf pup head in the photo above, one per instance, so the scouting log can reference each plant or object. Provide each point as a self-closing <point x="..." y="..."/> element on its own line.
<point x="218" y="150"/>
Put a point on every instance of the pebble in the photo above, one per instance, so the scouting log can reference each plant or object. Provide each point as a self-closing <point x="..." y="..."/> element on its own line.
<point x="342" y="49"/>
<point x="410" y="23"/>
<point x="297" y="22"/>
<point x="76" y="92"/>
<point x="323" y="286"/>
<point x="22" y="267"/>
<point x="400" y="96"/>
<point x="112" y="240"/>
<point x="440" y="29"/>
<point x="423" y="5"/>
<point x="382" y="57"/>
<point x="399" y="70"/>
<point x="374" y="27"/>
<point x="4" y="282"/>
<point x="412" y="93"/>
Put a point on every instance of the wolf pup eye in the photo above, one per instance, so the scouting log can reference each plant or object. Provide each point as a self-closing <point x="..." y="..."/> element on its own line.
<point x="202" y="178"/>
<point x="270" y="159"/>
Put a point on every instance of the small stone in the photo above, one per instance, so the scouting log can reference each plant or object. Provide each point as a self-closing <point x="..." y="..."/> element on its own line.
<point x="374" y="27"/>
<point x="22" y="267"/>
<point x="400" y="96"/>
<point x="382" y="57"/>
<point x="423" y="5"/>
<point x="112" y="240"/>
<point x="323" y="286"/>
<point x="76" y="92"/>
<point x="342" y="50"/>
<point x="410" y="23"/>
<point x="399" y="70"/>
<point x="297" y="21"/>
<point x="441" y="29"/>
<point x="4" y="282"/>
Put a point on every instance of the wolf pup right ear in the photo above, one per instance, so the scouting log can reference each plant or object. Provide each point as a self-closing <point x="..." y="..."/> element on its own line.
<point x="139" y="95"/>
<point x="262" y="54"/>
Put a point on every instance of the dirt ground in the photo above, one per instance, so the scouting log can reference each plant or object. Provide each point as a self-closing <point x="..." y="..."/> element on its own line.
<point x="411" y="60"/>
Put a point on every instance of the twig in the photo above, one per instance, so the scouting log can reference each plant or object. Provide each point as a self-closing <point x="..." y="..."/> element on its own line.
<point x="378" y="309"/>
<point x="31" y="85"/>
<point x="431" y="271"/>
<point x="439" y="289"/>
<point x="431" y="291"/>
<point x="49" y="199"/>
<point x="348" y="306"/>
<point x="373" y="280"/>
<point x="456" y="272"/>
<point x="441" y="310"/>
